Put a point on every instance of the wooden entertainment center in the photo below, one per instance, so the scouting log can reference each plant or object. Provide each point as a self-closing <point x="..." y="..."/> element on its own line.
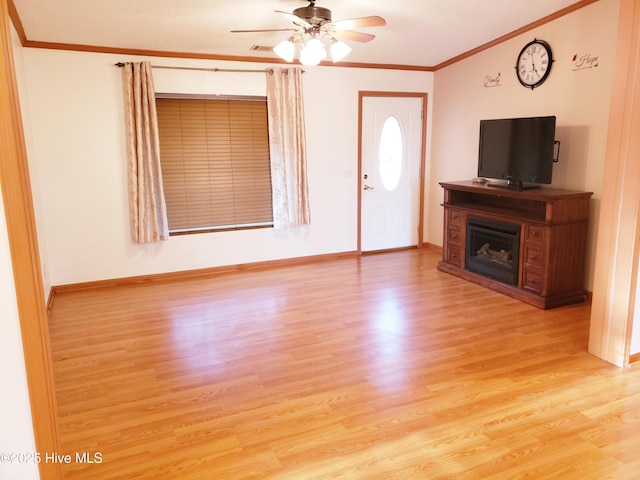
<point x="552" y="239"/>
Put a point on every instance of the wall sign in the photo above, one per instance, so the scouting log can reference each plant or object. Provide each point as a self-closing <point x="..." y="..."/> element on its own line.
<point x="493" y="81"/>
<point x="582" y="61"/>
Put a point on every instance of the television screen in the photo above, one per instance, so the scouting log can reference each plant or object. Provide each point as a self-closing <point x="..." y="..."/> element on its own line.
<point x="517" y="150"/>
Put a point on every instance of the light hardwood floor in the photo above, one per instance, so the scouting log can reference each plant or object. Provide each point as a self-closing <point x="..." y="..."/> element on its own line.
<point x="372" y="368"/>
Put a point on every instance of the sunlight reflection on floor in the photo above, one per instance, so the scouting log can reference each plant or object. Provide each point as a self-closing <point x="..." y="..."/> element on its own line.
<point x="389" y="366"/>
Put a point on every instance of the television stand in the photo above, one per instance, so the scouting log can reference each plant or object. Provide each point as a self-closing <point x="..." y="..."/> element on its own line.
<point x="552" y="225"/>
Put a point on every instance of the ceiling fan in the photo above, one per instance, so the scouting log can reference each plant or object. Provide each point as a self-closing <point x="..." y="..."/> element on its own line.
<point x="314" y="26"/>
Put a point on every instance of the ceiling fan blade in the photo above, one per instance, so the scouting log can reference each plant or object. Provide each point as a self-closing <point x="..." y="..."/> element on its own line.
<point x="373" y="21"/>
<point x="295" y="19"/>
<point x="353" y="36"/>
<point x="267" y="30"/>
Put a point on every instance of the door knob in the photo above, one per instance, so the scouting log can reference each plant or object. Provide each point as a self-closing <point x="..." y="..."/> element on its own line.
<point x="367" y="187"/>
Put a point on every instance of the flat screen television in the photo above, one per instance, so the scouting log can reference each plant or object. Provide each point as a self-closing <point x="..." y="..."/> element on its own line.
<point x="518" y="150"/>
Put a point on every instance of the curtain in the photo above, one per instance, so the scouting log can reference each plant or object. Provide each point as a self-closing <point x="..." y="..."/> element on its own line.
<point x="148" y="212"/>
<point x="287" y="148"/>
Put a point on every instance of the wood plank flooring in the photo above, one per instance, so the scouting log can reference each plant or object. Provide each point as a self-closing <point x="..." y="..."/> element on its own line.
<point x="372" y="368"/>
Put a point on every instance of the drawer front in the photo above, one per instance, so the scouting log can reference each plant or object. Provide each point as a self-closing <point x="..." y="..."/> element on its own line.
<point x="532" y="280"/>
<point x="454" y="235"/>
<point x="533" y="256"/>
<point x="454" y="255"/>
<point x="455" y="216"/>
<point x="535" y="233"/>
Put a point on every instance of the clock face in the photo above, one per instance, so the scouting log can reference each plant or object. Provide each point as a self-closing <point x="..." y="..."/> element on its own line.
<point x="534" y="63"/>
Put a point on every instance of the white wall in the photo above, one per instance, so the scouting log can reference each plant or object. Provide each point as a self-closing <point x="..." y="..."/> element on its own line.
<point x="33" y="171"/>
<point x="75" y="104"/>
<point x="580" y="99"/>
<point x="16" y="430"/>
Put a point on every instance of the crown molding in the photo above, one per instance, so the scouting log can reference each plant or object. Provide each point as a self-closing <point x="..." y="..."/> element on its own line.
<point x="206" y="56"/>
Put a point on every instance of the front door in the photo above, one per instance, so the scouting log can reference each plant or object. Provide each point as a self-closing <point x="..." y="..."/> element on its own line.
<point x="390" y="182"/>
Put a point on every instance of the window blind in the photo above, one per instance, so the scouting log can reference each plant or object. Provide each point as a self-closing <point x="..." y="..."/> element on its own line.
<point x="215" y="163"/>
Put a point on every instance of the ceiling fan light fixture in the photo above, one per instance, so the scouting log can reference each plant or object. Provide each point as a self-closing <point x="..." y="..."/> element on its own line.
<point x="285" y="50"/>
<point x="339" y="50"/>
<point x="318" y="35"/>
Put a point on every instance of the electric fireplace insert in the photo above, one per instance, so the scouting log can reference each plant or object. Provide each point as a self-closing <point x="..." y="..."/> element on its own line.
<point x="493" y="249"/>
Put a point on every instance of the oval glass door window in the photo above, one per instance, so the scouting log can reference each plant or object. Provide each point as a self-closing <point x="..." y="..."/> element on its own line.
<point x="390" y="154"/>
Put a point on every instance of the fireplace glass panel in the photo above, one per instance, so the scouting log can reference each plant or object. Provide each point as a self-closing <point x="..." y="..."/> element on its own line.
<point x="493" y="249"/>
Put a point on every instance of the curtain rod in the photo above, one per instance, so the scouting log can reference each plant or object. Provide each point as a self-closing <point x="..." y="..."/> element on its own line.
<point x="120" y="64"/>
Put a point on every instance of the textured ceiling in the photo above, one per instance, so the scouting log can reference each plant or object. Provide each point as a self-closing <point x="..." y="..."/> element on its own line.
<point x="421" y="33"/>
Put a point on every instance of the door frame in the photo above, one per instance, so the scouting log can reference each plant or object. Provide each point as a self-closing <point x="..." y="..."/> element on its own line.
<point x="423" y="149"/>
<point x="23" y="244"/>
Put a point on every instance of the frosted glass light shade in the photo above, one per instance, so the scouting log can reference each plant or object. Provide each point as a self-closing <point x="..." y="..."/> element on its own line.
<point x="285" y="50"/>
<point x="308" y="59"/>
<point x="339" y="50"/>
<point x="312" y="52"/>
<point x="315" y="48"/>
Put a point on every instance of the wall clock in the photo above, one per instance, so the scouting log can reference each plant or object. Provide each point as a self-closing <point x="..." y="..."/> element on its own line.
<point x="534" y="63"/>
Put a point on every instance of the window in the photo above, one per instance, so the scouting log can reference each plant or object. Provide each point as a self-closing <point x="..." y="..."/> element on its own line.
<point x="215" y="163"/>
<point x="390" y="154"/>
